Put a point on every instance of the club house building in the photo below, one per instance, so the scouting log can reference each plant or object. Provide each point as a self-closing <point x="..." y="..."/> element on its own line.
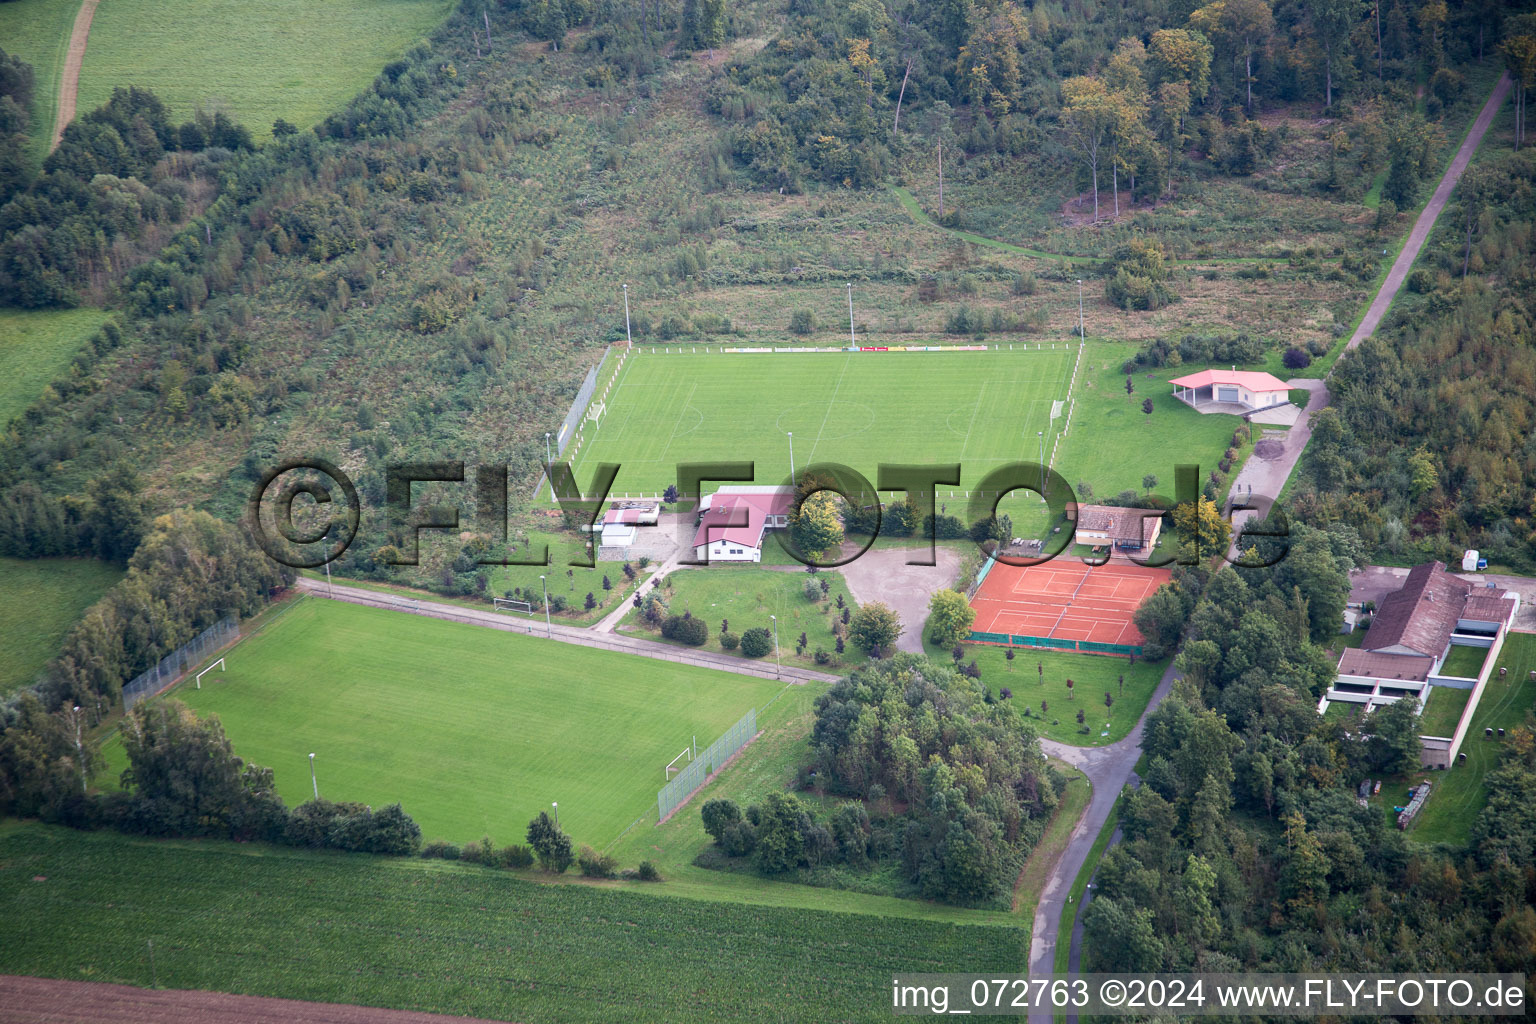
<point x="1123" y="529"/>
<point x="1250" y="390"/>
<point x="734" y="521"/>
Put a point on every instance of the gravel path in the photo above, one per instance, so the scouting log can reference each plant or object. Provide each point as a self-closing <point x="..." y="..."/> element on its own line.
<point x="69" y="83"/>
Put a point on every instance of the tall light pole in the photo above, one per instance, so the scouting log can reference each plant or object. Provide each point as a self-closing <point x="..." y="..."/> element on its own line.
<point x="556" y="805"/>
<point x="312" y="780"/>
<point x="548" y="460"/>
<point x="1080" y="332"/>
<point x="775" y="619"/>
<point x="851" y="339"/>
<point x="547" y="627"/>
<point x="791" y="456"/>
<point x="1041" y="433"/>
<point x="627" y="336"/>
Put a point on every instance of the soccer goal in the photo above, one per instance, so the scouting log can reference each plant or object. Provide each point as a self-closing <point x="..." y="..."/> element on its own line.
<point x="671" y="765"/>
<point x="198" y="680"/>
<point x="595" y="411"/>
<point x="506" y="604"/>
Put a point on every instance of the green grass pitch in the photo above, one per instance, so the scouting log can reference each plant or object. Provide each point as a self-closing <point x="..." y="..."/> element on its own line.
<point x="474" y="731"/>
<point x="256" y="59"/>
<point x="980" y="409"/>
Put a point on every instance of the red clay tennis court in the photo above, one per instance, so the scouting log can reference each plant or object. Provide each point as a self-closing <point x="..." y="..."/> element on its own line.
<point x="1064" y="604"/>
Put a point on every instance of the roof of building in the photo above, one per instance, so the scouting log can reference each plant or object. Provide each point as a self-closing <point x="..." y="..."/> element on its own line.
<point x="1422" y="615"/>
<point x="616" y="535"/>
<point x="748" y="509"/>
<point x="1120" y="523"/>
<point x="1372" y="665"/>
<point x="1489" y="606"/>
<point x="1253" y="380"/>
<point x="615" y="516"/>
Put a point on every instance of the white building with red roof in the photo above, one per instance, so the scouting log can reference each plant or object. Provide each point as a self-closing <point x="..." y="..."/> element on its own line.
<point x="1250" y="390"/>
<point x="734" y="521"/>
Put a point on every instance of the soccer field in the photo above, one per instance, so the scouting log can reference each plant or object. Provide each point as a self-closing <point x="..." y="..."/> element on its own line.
<point x="980" y="409"/>
<point x="474" y="731"/>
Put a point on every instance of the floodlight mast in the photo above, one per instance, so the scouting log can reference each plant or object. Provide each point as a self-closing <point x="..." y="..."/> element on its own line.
<point x="1081" y="333"/>
<point x="312" y="780"/>
<point x="851" y="339"/>
<point x="629" y="338"/>
<point x="547" y="627"/>
<point x="556" y="805"/>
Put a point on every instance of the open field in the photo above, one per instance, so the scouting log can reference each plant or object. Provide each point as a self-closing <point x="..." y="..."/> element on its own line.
<point x="747" y="596"/>
<point x="859" y="409"/>
<point x="257" y="60"/>
<point x="1112" y="444"/>
<point x="37" y="31"/>
<point x="40" y="599"/>
<point x="36" y="347"/>
<point x="472" y="730"/>
<point x="449" y="938"/>
<point x="1038" y="675"/>
<point x="1458" y="795"/>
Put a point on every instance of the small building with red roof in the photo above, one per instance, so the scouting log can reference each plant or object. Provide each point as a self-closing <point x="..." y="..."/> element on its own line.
<point x="734" y="521"/>
<point x="1249" y="390"/>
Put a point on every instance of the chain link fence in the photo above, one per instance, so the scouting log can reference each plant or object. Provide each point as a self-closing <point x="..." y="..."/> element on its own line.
<point x="675" y="793"/>
<point x="170" y="667"/>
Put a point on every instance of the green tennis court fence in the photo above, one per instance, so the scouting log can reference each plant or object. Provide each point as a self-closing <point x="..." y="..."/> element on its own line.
<point x="1054" y="643"/>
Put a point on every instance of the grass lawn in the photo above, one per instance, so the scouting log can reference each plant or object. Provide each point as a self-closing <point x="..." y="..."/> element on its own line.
<point x="40" y="600"/>
<point x="472" y="730"/>
<point x="1112" y="444"/>
<point x="1040" y="675"/>
<point x="1464" y="662"/>
<point x="858" y="409"/>
<point x="1343" y="712"/>
<point x="746" y="597"/>
<point x="448" y="937"/>
<point x="1043" y="858"/>
<point x="258" y="59"/>
<point x="36" y="346"/>
<point x="1443" y="710"/>
<point x="37" y="31"/>
<point x="1458" y="795"/>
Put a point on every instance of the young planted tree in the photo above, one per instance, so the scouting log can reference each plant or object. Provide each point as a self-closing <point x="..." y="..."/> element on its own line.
<point x="1070" y="686"/>
<point x="1146" y="407"/>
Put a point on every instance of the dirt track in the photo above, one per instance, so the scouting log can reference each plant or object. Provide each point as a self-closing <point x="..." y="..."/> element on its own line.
<point x="48" y="1001"/>
<point x="69" y="82"/>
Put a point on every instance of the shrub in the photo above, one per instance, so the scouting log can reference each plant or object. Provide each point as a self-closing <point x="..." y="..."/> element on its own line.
<point x="515" y="857"/>
<point x="729" y="641"/>
<point x="685" y="629"/>
<point x="596" y="865"/>
<point x="437" y="849"/>
<point x="802" y="321"/>
<point x="822" y="657"/>
<point x="647" y="872"/>
<point x="1421" y="281"/>
<point x="756" y="642"/>
<point x="812" y="590"/>
<point x="477" y="853"/>
<point x="1296" y="358"/>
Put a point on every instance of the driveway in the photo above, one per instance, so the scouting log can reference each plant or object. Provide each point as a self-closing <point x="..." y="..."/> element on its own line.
<point x="884" y="575"/>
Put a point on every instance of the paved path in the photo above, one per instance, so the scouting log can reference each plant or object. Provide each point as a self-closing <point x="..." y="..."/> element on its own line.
<point x="1267" y="477"/>
<point x="578" y="635"/>
<point x="1109" y="770"/>
<point x="69" y="82"/>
